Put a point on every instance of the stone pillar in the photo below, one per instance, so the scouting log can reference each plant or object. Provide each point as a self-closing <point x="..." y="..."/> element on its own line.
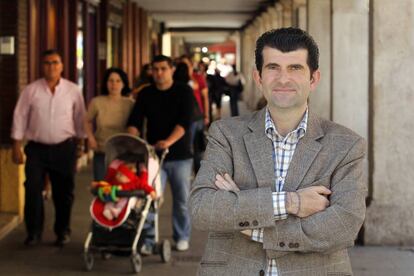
<point x="390" y="218"/>
<point x="350" y="64"/>
<point x="273" y="17"/>
<point x="279" y="11"/>
<point x="319" y="26"/>
<point x="287" y="12"/>
<point x="267" y="21"/>
<point x="299" y="14"/>
<point x="249" y="92"/>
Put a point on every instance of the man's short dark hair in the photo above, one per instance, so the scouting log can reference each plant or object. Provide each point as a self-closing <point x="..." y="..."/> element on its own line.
<point x="50" y="52"/>
<point x="185" y="56"/>
<point x="287" y="40"/>
<point x="161" y="58"/>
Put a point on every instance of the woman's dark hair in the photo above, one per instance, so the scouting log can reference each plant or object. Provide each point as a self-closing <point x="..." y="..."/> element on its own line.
<point x="104" y="89"/>
<point x="287" y="40"/>
<point x="143" y="77"/>
<point x="181" y="73"/>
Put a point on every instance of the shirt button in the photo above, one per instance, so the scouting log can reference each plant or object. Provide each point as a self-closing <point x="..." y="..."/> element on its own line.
<point x="282" y="244"/>
<point x="261" y="272"/>
<point x="255" y="223"/>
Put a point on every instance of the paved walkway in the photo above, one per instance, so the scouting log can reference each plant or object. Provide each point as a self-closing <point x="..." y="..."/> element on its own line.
<point x="45" y="259"/>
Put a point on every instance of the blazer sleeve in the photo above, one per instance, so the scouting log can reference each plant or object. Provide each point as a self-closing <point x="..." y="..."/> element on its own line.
<point x="217" y="210"/>
<point x="337" y="226"/>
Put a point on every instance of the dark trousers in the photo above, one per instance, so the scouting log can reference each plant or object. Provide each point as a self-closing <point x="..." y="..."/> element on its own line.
<point x="197" y="128"/>
<point x="234" y="98"/>
<point x="58" y="161"/>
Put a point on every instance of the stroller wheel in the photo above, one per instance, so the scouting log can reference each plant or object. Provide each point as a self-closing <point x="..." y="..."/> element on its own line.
<point x="165" y="251"/>
<point x="89" y="260"/>
<point x="136" y="263"/>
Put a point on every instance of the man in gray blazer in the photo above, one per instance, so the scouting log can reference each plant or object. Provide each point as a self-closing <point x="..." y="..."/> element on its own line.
<point x="280" y="191"/>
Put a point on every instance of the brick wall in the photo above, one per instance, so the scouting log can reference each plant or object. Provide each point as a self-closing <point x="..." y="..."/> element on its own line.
<point x="13" y="68"/>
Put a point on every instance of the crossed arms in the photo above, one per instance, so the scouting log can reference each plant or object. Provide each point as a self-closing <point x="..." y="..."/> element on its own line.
<point x="321" y="225"/>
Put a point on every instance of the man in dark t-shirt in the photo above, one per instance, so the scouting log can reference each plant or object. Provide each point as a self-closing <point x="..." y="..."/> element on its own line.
<point x="167" y="106"/>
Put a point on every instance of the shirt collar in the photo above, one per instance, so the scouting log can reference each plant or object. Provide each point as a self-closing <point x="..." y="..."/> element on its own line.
<point x="298" y="132"/>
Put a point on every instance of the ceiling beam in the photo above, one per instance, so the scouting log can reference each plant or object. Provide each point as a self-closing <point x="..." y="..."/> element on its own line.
<point x="202" y="29"/>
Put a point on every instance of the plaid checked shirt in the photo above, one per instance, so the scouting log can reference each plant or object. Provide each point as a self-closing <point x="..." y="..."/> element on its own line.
<point x="283" y="150"/>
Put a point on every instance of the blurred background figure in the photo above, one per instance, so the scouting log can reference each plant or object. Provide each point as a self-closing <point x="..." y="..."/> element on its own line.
<point x="217" y="86"/>
<point x="235" y="82"/>
<point x="49" y="116"/>
<point x="109" y="114"/>
<point x="200" y="91"/>
<point x="144" y="79"/>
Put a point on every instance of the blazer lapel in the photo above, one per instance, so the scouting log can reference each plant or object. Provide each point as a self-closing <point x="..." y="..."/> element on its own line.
<point x="305" y="153"/>
<point x="259" y="148"/>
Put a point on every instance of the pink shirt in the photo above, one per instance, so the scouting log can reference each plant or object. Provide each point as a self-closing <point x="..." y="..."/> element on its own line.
<point x="48" y="118"/>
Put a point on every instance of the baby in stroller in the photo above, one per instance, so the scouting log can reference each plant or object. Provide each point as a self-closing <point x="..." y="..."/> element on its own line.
<point x="122" y="175"/>
<point x="131" y="190"/>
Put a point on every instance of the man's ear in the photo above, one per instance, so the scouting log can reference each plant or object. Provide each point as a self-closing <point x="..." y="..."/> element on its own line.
<point x="257" y="78"/>
<point x="315" y="78"/>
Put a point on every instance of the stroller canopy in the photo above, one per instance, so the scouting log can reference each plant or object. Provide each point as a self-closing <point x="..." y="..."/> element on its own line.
<point x="121" y="144"/>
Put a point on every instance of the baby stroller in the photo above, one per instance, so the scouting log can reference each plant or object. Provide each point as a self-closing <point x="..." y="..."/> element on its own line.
<point x="124" y="235"/>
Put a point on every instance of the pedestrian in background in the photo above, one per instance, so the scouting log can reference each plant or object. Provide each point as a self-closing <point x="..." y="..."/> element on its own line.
<point x="49" y="116"/>
<point x="216" y="87"/>
<point x="167" y="107"/>
<point x="235" y="82"/>
<point x="109" y="114"/>
<point x="144" y="79"/>
<point x="200" y="91"/>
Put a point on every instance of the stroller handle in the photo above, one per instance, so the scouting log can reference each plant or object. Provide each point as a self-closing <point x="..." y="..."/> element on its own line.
<point x="132" y="193"/>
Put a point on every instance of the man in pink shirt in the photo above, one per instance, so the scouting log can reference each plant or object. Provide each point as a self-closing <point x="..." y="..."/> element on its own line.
<point x="49" y="116"/>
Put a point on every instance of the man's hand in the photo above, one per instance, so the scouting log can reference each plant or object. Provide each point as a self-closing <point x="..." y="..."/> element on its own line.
<point x="206" y="120"/>
<point x="162" y="145"/>
<point x="226" y="183"/>
<point x="133" y="131"/>
<point x="308" y="201"/>
<point x="93" y="145"/>
<point x="17" y="153"/>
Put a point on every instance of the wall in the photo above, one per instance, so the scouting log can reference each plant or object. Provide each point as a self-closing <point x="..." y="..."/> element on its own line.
<point x="13" y="76"/>
<point x="390" y="219"/>
<point x="319" y="26"/>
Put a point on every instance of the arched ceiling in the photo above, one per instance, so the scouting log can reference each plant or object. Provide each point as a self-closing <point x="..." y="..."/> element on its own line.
<point x="209" y="21"/>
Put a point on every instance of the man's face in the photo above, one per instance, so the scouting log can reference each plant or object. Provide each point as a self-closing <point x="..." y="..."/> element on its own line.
<point x="162" y="73"/>
<point x="286" y="80"/>
<point x="52" y="67"/>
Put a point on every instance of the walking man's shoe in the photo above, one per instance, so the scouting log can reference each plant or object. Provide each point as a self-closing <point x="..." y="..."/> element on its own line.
<point x="32" y="240"/>
<point x="62" y="240"/>
<point x="182" y="245"/>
